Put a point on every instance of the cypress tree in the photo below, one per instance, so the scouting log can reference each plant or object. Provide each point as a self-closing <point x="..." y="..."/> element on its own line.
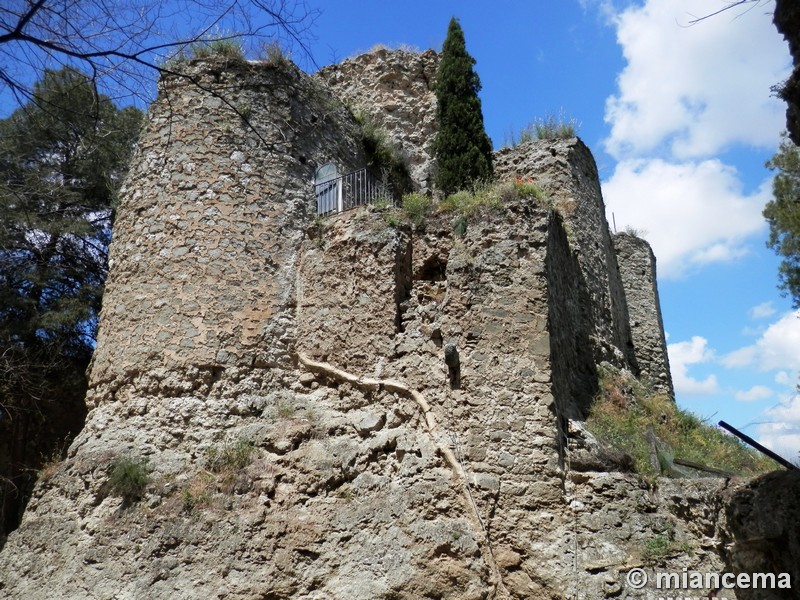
<point x="462" y="149"/>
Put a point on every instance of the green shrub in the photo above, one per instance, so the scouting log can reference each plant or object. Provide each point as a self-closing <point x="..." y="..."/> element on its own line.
<point x="284" y="406"/>
<point x="460" y="225"/>
<point x="224" y="47"/>
<point x="525" y="187"/>
<point x="382" y="203"/>
<point x="460" y="202"/>
<point x="229" y="456"/>
<point x="416" y="208"/>
<point x="199" y="494"/>
<point x="547" y="128"/>
<point x="483" y="197"/>
<point x="390" y="217"/>
<point x="634" y="232"/>
<point x="384" y="158"/>
<point x="129" y="478"/>
<point x="657" y="548"/>
<point x="625" y="409"/>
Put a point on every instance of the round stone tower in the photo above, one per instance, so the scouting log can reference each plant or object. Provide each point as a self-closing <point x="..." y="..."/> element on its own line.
<point x="210" y="221"/>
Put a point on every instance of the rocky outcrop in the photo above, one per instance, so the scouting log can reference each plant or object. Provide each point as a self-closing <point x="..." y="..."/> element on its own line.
<point x="763" y="532"/>
<point x="347" y="407"/>
<point x="394" y="87"/>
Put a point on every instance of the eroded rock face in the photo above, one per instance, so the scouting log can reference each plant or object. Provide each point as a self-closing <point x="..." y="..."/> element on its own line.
<point x="763" y="531"/>
<point x="566" y="170"/>
<point x="207" y="237"/>
<point x="395" y="87"/>
<point x="341" y="408"/>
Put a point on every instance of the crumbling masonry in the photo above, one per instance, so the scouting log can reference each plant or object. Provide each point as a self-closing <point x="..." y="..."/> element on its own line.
<point x="232" y="314"/>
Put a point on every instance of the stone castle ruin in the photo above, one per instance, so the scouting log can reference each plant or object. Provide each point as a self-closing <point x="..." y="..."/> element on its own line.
<point x="411" y="400"/>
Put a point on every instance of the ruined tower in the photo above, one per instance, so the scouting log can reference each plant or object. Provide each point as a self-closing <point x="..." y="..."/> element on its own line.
<point x="343" y="407"/>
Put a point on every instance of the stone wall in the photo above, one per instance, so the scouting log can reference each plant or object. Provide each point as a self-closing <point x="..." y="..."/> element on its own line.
<point x="395" y="87"/>
<point x="409" y="397"/>
<point x="566" y="170"/>
<point x="637" y="267"/>
<point x="211" y="220"/>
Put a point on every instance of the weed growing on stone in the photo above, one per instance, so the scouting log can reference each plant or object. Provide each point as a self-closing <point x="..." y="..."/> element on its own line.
<point x="550" y="127"/>
<point x="198" y="494"/>
<point x="50" y="466"/>
<point x="224" y="47"/>
<point x="274" y="54"/>
<point x="245" y="110"/>
<point x="383" y="155"/>
<point x="53" y="460"/>
<point x="285" y="408"/>
<point x="468" y="204"/>
<point x="346" y="494"/>
<point x="623" y="411"/>
<point x="664" y="545"/>
<point x="633" y="231"/>
<point x="657" y="548"/>
<point x="129" y="478"/>
<point x="416" y="208"/>
<point x="460" y="225"/>
<point x="382" y="203"/>
<point x="487" y="197"/>
<point x="526" y="187"/>
<point x="230" y="456"/>
<point x="392" y="219"/>
<point x="320" y="225"/>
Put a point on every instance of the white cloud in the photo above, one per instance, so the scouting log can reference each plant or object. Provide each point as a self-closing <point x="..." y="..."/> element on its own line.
<point x="695" y="213"/>
<point x="694" y="90"/>
<point x="762" y="311"/>
<point x="781" y="432"/>
<point x="684" y="354"/>
<point x="743" y="357"/>
<point x="757" y="392"/>
<point x="777" y="348"/>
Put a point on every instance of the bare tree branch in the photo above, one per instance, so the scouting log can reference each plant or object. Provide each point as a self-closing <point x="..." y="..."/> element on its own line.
<point x="728" y="6"/>
<point x="124" y="45"/>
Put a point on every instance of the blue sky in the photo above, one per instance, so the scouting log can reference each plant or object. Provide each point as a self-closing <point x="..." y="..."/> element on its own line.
<point x="680" y="120"/>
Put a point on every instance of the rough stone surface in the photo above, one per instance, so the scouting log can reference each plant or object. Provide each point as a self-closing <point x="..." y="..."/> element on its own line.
<point x="763" y="531"/>
<point x="566" y="170"/>
<point x="207" y="239"/>
<point x="637" y="267"/>
<point x="395" y="87"/>
<point x="232" y="314"/>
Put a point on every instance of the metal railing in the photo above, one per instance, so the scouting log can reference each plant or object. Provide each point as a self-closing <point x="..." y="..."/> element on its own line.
<point x="349" y="191"/>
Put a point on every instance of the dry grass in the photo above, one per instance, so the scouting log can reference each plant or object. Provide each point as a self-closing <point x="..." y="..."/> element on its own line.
<point x="624" y="410"/>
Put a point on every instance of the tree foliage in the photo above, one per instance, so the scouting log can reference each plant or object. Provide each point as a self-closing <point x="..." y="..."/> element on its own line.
<point x="463" y="150"/>
<point x="783" y="215"/>
<point x="62" y="159"/>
